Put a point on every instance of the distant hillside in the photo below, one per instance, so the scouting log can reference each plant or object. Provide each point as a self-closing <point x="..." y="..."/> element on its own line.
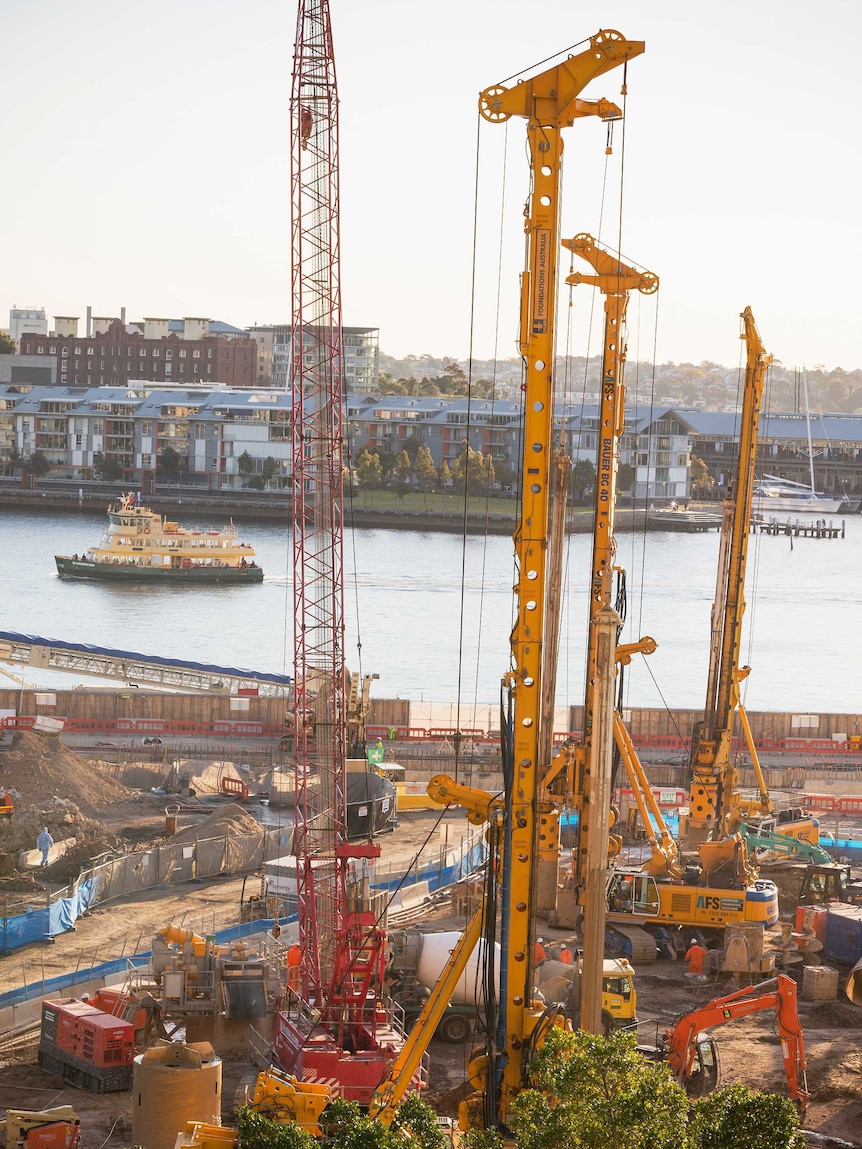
<point x="706" y="385"/>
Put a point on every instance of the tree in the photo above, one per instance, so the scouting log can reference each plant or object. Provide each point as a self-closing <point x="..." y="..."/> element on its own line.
<point x="626" y="475"/>
<point x="369" y="470"/>
<point x="259" y="1132"/>
<point x="403" y="469"/>
<point x="702" y="481"/>
<point x="737" y="1117"/>
<point x="245" y="465"/>
<point x="109" y="470"/>
<point x="467" y="470"/>
<point x="426" y="472"/>
<point x="445" y="474"/>
<point x="7" y="344"/>
<point x="269" y="469"/>
<point x="583" y="480"/>
<point x="345" y="1126"/>
<point x="38" y="465"/>
<point x="171" y="465"/>
<point x="599" y="1093"/>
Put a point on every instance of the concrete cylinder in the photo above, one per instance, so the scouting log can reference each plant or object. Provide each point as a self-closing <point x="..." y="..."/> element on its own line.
<point x="172" y="1084"/>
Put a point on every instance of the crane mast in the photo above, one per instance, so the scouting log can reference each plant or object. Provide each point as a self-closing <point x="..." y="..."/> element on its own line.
<point x="549" y="102"/>
<point x="714" y="796"/>
<point x="322" y="851"/>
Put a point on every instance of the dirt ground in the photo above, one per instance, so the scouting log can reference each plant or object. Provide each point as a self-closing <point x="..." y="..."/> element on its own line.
<point x="749" y="1050"/>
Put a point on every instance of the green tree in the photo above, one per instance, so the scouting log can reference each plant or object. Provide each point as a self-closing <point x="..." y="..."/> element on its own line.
<point x="38" y="465"/>
<point x="626" y="475"/>
<point x="599" y="1093"/>
<point x="453" y="381"/>
<point x="245" y="465"/>
<point x="106" y="469"/>
<point x="737" y="1117"/>
<point x="702" y="481"/>
<point x="7" y="344"/>
<point x="413" y="445"/>
<point x="467" y="469"/>
<point x="426" y="472"/>
<point x="345" y="1126"/>
<point x="269" y="469"/>
<point x="489" y="474"/>
<point x="369" y="470"/>
<point x="403" y="469"/>
<point x="445" y="475"/>
<point x="170" y="464"/>
<point x="259" y="1132"/>
<point x="583" y="480"/>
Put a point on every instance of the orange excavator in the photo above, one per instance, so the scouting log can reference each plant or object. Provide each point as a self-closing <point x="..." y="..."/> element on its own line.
<point x="692" y="1054"/>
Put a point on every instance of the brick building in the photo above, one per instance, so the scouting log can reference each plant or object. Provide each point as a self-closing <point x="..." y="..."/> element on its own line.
<point x="160" y="351"/>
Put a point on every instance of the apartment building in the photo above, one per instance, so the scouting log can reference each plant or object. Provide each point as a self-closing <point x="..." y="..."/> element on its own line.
<point x="191" y="350"/>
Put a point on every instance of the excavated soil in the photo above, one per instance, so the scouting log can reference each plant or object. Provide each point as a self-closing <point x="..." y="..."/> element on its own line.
<point x="39" y="767"/>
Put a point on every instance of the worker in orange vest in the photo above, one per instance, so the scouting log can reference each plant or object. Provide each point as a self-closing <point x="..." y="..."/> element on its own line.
<point x="695" y="956"/>
<point x="294" y="957"/>
<point x="539" y="954"/>
<point x="566" y="955"/>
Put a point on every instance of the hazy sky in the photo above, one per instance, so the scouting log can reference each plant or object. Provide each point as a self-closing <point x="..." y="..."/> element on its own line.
<point x="145" y="152"/>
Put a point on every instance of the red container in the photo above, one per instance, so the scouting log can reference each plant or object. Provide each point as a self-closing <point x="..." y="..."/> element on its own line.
<point x="819" y="920"/>
<point x="87" y="1033"/>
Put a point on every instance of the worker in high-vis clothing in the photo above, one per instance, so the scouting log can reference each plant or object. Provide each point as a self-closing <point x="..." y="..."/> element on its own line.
<point x="44" y="843"/>
<point x="695" y="955"/>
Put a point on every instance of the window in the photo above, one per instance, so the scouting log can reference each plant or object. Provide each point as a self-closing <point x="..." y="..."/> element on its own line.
<point x="65" y="352"/>
<point x="28" y="349"/>
<point x="196" y="355"/>
<point x="98" y="426"/>
<point x="169" y="354"/>
<point x="200" y="430"/>
<point x="147" y="427"/>
<point x="209" y="368"/>
<point x="182" y="354"/>
<point x="79" y="441"/>
<point x="77" y="350"/>
<point x="156" y="353"/>
<point x="146" y="461"/>
<point x="52" y="349"/>
<point x="91" y="350"/>
<point x="210" y="353"/>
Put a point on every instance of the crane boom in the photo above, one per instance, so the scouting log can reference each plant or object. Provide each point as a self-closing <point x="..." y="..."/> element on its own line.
<point x="714" y="788"/>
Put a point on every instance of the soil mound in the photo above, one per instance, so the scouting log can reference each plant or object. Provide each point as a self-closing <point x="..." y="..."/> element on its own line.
<point x="229" y="819"/>
<point x="38" y="767"/>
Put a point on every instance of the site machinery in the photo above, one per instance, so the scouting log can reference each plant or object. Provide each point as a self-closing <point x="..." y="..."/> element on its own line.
<point x="335" y="1027"/>
<point x="691" y="1052"/>
<point x="716" y="807"/>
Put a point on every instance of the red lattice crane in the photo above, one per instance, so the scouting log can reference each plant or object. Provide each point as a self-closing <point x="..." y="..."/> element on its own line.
<point x="342" y="946"/>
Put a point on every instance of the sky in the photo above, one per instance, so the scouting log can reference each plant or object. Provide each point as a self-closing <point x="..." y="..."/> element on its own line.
<point x="145" y="160"/>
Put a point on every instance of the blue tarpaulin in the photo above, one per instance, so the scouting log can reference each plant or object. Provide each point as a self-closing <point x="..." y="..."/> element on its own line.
<point x="45" y="922"/>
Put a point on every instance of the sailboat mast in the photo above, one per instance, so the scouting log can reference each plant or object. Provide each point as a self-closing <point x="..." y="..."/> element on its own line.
<point x="808" y="427"/>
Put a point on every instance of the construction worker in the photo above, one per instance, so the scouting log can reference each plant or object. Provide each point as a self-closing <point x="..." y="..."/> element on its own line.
<point x="566" y="955"/>
<point x="695" y="955"/>
<point x="44" y="843"/>
<point x="539" y="954"/>
<point x="294" y="957"/>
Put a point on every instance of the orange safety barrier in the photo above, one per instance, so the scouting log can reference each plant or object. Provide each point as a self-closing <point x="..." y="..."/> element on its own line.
<point x="823" y="803"/>
<point x="119" y="725"/>
<point x="19" y="723"/>
<point x="183" y="727"/>
<point x="83" y="725"/>
<point x="248" y="727"/>
<point x="765" y="744"/>
<point x="150" y="726"/>
<point x="848" y="805"/>
<point x="797" y="745"/>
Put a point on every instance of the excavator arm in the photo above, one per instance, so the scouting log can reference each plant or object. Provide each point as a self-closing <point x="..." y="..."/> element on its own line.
<point x="780" y="994"/>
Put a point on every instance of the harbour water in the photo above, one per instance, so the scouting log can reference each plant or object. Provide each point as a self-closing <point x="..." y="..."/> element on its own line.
<point x="406" y="593"/>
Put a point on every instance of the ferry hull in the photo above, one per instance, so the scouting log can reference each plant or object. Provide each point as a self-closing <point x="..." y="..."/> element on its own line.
<point x="116" y="572"/>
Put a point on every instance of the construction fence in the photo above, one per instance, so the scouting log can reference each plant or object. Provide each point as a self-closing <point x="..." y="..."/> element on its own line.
<point x="41" y="916"/>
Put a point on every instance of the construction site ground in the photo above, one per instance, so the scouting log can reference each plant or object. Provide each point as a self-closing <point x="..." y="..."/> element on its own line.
<point x="749" y="1050"/>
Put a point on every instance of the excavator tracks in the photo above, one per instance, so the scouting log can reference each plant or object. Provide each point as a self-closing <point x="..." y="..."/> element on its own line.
<point x="631" y="942"/>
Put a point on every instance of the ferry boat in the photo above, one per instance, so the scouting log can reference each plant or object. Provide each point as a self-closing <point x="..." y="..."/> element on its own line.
<point x="141" y="546"/>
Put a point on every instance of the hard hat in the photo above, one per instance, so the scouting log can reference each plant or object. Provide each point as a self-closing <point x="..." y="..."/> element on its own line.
<point x="693" y="942"/>
<point x="540" y="940"/>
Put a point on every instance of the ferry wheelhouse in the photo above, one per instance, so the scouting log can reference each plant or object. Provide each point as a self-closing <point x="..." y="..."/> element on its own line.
<point x="140" y="545"/>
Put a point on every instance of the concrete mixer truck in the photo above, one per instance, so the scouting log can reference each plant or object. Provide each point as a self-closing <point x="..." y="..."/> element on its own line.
<point x="416" y="960"/>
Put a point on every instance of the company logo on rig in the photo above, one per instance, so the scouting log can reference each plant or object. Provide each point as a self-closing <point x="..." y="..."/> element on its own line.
<point x="540" y="314"/>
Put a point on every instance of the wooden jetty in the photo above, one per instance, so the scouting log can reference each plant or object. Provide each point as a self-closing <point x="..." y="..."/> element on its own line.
<point x="799" y="528"/>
